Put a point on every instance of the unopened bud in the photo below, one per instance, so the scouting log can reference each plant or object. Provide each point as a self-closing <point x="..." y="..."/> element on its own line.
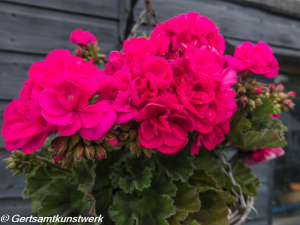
<point x="252" y="81"/>
<point x="87" y="142"/>
<point x="89" y="151"/>
<point x="133" y="146"/>
<point x="242" y="90"/>
<point x="11" y="166"/>
<point x="123" y="136"/>
<point x="256" y="90"/>
<point x="99" y="152"/>
<point x="78" y="152"/>
<point x="18" y="153"/>
<point x="291" y="95"/>
<point x="248" y="86"/>
<point x="57" y="141"/>
<point x="74" y="141"/>
<point x="258" y="101"/>
<point x="279" y="88"/>
<point x="251" y="103"/>
<point x="132" y="134"/>
<point x="126" y="126"/>
<point x="62" y="148"/>
<point x="244" y="99"/>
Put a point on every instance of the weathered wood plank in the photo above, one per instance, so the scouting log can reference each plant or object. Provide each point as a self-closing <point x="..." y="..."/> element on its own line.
<point x="32" y="30"/>
<point x="15" y="206"/>
<point x="235" y="21"/>
<point x="14" y="69"/>
<point x="108" y="9"/>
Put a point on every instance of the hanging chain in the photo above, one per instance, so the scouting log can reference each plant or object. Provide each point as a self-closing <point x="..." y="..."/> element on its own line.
<point x="227" y="169"/>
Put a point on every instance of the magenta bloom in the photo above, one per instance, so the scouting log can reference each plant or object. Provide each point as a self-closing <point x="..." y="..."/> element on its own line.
<point x="82" y="37"/>
<point x="257" y="58"/>
<point x="190" y="28"/>
<point x="262" y="155"/>
<point x="164" y="124"/>
<point x="61" y="61"/>
<point x="24" y="127"/>
<point x="66" y="104"/>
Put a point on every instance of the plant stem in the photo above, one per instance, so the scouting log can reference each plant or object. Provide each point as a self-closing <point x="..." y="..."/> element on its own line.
<point x="54" y="165"/>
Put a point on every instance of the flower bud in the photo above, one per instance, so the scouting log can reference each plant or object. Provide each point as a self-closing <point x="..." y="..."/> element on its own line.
<point x="124" y="136"/>
<point x="78" y="152"/>
<point x="133" y="146"/>
<point x="248" y="87"/>
<point x="87" y="142"/>
<point x="126" y="126"/>
<point x="291" y="95"/>
<point x="279" y="88"/>
<point x="74" y="141"/>
<point x="89" y="151"/>
<point x="99" y="152"/>
<point x="244" y="99"/>
<point x="62" y="148"/>
<point x="256" y="90"/>
<point x="252" y="81"/>
<point x="242" y="90"/>
<point x="57" y="141"/>
<point x="251" y="103"/>
<point x="132" y="134"/>
<point x="258" y="101"/>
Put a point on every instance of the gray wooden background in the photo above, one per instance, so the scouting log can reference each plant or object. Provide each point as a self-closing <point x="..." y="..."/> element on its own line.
<point x="30" y="29"/>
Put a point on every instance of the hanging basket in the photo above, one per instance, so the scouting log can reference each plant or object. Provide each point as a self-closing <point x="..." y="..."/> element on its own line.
<point x="239" y="216"/>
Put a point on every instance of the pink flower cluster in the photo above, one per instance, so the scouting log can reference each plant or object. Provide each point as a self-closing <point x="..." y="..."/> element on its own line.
<point x="57" y="97"/>
<point x="175" y="82"/>
<point x="82" y="37"/>
<point x="258" y="59"/>
<point x="262" y="155"/>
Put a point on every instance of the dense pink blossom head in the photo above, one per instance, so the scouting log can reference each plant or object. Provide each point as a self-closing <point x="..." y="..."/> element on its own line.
<point x="82" y="37"/>
<point x="164" y="124"/>
<point x="190" y="28"/>
<point x="24" y="127"/>
<point x="257" y="58"/>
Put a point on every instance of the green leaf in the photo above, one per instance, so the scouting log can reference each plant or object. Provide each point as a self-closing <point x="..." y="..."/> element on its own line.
<point x="203" y="181"/>
<point x="265" y="109"/>
<point x="177" y="166"/>
<point x="103" y="190"/>
<point x="64" y="199"/>
<point x="269" y="123"/>
<point x="242" y="137"/>
<point x="214" y="211"/>
<point x="85" y="176"/>
<point x="245" y="178"/>
<point x="151" y="206"/>
<point x="134" y="174"/>
<point x="186" y="201"/>
<point x="37" y="183"/>
<point x="212" y="166"/>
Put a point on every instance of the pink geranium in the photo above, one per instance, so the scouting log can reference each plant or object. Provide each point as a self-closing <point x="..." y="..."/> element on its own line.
<point x="24" y="127"/>
<point x="61" y="61"/>
<point x="82" y="37"/>
<point x="164" y="124"/>
<point x="262" y="155"/>
<point x="66" y="104"/>
<point x="257" y="58"/>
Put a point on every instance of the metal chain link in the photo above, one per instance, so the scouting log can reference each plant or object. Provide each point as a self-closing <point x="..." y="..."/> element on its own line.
<point x="227" y="169"/>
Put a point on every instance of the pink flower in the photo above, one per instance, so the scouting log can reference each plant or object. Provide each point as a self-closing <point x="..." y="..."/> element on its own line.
<point x="259" y="59"/>
<point x="24" y="125"/>
<point x="164" y="124"/>
<point x="61" y="61"/>
<point x="275" y="116"/>
<point x="66" y="104"/>
<point x="122" y="95"/>
<point x="262" y="155"/>
<point x="82" y="37"/>
<point x="190" y="28"/>
<point x="115" y="62"/>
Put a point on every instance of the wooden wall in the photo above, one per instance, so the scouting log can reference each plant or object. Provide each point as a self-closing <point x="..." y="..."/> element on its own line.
<point x="30" y="29"/>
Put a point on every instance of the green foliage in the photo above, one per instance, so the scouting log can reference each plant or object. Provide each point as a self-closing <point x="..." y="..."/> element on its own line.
<point x="178" y="166"/>
<point x="133" y="174"/>
<point x="214" y="211"/>
<point x="245" y="178"/>
<point x="268" y="135"/>
<point x="265" y="109"/>
<point x="186" y="201"/>
<point x="151" y="206"/>
<point x="130" y="190"/>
